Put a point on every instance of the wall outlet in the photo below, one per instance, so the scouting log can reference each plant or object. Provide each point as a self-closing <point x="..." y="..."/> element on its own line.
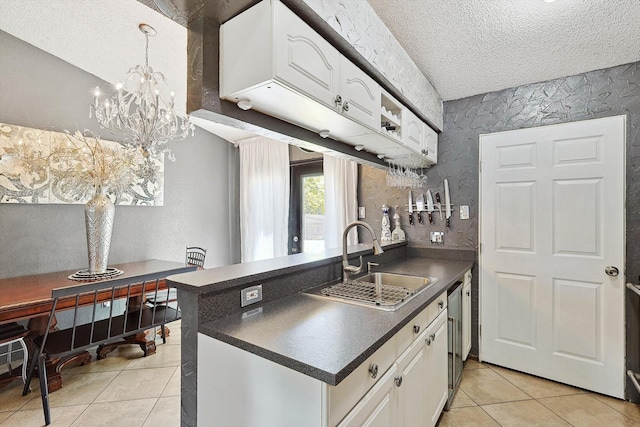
<point x="437" y="238"/>
<point x="250" y="295"/>
<point x="361" y="212"/>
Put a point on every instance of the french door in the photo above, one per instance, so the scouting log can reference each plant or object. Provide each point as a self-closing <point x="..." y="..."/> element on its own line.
<point x="552" y="237"/>
<point x="306" y="207"/>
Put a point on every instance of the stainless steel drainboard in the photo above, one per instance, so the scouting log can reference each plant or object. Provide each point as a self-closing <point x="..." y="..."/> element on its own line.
<point x="366" y="292"/>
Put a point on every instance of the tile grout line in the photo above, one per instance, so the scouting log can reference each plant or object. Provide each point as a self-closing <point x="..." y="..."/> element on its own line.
<point x="535" y="399"/>
<point x="554" y="412"/>
<point x="609" y="406"/>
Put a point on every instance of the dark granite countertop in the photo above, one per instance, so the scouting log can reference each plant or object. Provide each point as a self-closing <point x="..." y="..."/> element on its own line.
<point x="325" y="339"/>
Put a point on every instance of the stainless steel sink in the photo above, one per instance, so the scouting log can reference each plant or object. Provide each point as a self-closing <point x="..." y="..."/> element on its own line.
<point x="384" y="291"/>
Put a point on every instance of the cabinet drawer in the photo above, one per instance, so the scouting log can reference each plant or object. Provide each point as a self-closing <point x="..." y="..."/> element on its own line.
<point x="418" y="324"/>
<point x="344" y="396"/>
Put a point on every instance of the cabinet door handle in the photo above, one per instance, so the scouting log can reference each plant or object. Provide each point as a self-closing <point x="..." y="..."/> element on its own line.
<point x="433" y="337"/>
<point x="428" y="340"/>
<point x="398" y="380"/>
<point x="416" y="329"/>
<point x="337" y="100"/>
<point x="373" y="370"/>
<point x="468" y="293"/>
<point x="345" y="107"/>
<point x="440" y="304"/>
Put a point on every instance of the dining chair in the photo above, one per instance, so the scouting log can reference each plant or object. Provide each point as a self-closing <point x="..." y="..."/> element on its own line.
<point x="10" y="334"/>
<point x="196" y="256"/>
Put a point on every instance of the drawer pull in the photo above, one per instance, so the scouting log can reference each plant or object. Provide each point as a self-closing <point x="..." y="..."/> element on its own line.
<point x="441" y="304"/>
<point x="398" y="380"/>
<point x="373" y="370"/>
<point x="416" y="329"/>
<point x="428" y="340"/>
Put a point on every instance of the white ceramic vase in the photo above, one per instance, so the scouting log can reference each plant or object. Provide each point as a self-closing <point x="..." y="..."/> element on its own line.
<point x="99" y="213"/>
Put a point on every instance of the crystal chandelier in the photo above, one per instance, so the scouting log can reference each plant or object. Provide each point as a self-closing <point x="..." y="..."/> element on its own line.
<point x="138" y="112"/>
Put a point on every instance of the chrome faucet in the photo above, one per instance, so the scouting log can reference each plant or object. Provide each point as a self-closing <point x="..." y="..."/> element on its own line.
<point x="347" y="269"/>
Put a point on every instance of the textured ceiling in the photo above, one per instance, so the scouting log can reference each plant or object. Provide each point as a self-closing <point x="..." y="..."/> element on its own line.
<point x="468" y="47"/>
<point x="464" y="47"/>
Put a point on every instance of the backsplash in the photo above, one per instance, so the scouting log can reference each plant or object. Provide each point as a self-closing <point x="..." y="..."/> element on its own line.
<point x="373" y="193"/>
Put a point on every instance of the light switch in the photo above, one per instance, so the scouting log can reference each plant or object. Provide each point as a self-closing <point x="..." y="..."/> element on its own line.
<point x="464" y="212"/>
<point x="361" y="212"/>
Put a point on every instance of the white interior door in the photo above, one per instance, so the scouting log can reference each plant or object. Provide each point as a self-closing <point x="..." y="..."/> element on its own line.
<point x="551" y="221"/>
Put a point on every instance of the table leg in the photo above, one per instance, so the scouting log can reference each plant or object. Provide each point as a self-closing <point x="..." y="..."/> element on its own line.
<point x="147" y="346"/>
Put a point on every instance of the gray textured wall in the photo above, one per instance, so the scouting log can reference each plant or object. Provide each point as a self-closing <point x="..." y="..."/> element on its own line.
<point x="590" y="95"/>
<point x="41" y="91"/>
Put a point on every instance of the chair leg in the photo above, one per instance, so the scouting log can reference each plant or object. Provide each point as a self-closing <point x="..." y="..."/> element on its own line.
<point x="164" y="335"/>
<point x="9" y="351"/>
<point x="32" y="368"/>
<point x="25" y="360"/>
<point x="44" y="389"/>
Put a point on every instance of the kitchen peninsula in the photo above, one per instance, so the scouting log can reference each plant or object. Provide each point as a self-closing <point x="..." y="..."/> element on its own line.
<point x="295" y="354"/>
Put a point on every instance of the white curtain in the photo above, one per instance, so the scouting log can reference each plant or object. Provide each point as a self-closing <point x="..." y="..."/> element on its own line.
<point x="340" y="199"/>
<point x="264" y="198"/>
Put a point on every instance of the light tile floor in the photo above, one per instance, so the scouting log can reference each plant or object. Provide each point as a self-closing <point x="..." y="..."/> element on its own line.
<point x="493" y="396"/>
<point x="124" y="389"/>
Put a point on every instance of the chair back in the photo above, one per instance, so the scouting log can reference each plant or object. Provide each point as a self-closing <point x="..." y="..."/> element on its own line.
<point x="196" y="256"/>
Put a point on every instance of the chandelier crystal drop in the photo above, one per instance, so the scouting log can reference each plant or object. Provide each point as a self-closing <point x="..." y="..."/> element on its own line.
<point x="139" y="112"/>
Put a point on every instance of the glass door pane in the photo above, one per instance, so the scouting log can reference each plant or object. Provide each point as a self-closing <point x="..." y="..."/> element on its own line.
<point x="313" y="213"/>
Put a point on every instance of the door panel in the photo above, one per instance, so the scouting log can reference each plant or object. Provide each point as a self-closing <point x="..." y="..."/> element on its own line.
<point x="573" y="237"/>
<point x="551" y="220"/>
<point x="515" y="198"/>
<point x="577" y="150"/>
<point x="516" y="310"/>
<point x="577" y="320"/>
<point x="516" y="156"/>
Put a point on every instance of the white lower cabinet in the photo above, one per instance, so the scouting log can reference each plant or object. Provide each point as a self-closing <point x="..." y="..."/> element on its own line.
<point x="378" y="406"/>
<point x="412" y="382"/>
<point x="414" y="391"/>
<point x="403" y="383"/>
<point x="436" y="373"/>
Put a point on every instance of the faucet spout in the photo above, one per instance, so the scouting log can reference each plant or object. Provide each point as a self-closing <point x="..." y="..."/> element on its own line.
<point x="347" y="269"/>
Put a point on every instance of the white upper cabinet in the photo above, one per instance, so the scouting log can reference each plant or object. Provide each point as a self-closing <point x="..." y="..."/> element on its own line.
<point x="430" y="144"/>
<point x="413" y="131"/>
<point x="419" y="138"/>
<point x="282" y="67"/>
<point x="359" y="95"/>
<point x="304" y="60"/>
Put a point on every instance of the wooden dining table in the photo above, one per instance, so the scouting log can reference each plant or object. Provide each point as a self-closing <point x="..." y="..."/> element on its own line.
<point x="29" y="298"/>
